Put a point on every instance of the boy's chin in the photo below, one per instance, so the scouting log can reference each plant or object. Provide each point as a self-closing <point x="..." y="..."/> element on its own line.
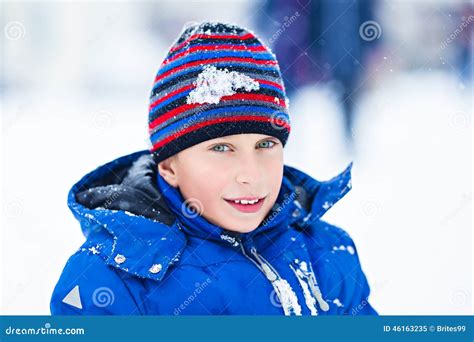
<point x="240" y="227"/>
<point x="235" y="224"/>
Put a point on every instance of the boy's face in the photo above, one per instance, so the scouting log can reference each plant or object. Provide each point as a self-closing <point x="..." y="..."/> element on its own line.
<point x="213" y="174"/>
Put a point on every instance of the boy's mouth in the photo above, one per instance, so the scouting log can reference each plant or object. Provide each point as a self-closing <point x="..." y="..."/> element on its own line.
<point x="247" y="204"/>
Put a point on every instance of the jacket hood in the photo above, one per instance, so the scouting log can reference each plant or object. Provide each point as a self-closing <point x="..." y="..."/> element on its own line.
<point x="124" y="199"/>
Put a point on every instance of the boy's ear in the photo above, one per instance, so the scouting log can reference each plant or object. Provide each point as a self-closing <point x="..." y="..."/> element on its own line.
<point x="167" y="170"/>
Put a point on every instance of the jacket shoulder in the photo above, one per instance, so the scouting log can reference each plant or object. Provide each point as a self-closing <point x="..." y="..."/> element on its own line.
<point x="340" y="257"/>
<point x="88" y="286"/>
<point x="328" y="236"/>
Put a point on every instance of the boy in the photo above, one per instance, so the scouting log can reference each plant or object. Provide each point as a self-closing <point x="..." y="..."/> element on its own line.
<point x="210" y="221"/>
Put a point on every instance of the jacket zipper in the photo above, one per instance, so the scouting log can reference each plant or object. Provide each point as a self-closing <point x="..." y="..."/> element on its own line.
<point x="310" y="286"/>
<point x="286" y="296"/>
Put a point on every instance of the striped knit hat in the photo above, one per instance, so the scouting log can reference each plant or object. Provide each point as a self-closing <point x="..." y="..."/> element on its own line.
<point x="216" y="80"/>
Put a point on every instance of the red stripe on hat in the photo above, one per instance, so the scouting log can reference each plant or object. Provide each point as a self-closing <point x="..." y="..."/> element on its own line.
<point x="164" y="98"/>
<point x="174" y="112"/>
<point x="214" y="60"/>
<point x="211" y="36"/>
<point x="214" y="48"/>
<point x="257" y="97"/>
<point x="271" y="83"/>
<point x="215" y="121"/>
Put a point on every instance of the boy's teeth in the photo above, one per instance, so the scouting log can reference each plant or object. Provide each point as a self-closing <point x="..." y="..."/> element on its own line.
<point x="246" y="201"/>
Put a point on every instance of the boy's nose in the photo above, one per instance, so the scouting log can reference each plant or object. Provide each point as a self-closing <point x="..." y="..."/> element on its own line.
<point x="249" y="171"/>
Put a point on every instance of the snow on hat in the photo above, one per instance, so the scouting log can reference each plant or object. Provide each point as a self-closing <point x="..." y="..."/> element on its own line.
<point x="216" y="80"/>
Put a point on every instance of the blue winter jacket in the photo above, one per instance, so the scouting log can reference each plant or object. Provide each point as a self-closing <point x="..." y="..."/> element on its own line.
<point x="147" y="254"/>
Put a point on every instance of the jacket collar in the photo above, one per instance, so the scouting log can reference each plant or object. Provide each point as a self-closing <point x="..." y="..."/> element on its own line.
<point x="135" y="244"/>
<point x="317" y="197"/>
<point x="153" y="238"/>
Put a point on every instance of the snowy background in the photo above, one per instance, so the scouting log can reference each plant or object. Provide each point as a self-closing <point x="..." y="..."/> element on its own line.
<point x="74" y="86"/>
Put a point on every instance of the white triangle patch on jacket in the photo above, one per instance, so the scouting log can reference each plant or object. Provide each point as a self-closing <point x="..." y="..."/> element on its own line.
<point x="73" y="298"/>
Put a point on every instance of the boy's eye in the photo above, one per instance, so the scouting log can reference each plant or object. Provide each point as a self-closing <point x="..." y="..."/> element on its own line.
<point x="267" y="144"/>
<point x="226" y="148"/>
<point x="220" y="148"/>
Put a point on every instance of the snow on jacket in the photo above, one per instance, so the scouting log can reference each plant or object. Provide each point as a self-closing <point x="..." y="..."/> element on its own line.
<point x="145" y="255"/>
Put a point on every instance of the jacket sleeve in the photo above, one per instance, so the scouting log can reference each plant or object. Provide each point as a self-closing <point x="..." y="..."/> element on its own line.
<point x="348" y="279"/>
<point x="357" y="285"/>
<point x="88" y="286"/>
